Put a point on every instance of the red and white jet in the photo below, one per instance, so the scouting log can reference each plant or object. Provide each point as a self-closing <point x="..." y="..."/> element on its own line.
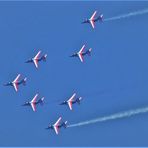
<point x="16" y="82"/>
<point x="81" y="53"/>
<point x="37" y="58"/>
<point x="34" y="102"/>
<point x="94" y="19"/>
<point x="71" y="101"/>
<point x="57" y="125"/>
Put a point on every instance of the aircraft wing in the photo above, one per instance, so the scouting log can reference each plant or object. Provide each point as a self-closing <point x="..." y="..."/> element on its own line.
<point x="70" y="101"/>
<point x="80" y="53"/>
<point x="56" y="129"/>
<point x="58" y="121"/>
<point x="93" y="16"/>
<point x="15" y="85"/>
<point x="16" y="79"/>
<point x="70" y="105"/>
<point x="37" y="55"/>
<point x="34" y="99"/>
<point x="33" y="102"/>
<point x="35" y="59"/>
<point x="72" y="97"/>
<point x="35" y="62"/>
<point x="33" y="106"/>
<point x="81" y="57"/>
<point x="81" y="50"/>
<point x="92" y="24"/>
<point x="92" y="20"/>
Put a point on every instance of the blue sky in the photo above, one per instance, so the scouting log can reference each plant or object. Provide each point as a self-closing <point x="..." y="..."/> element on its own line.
<point x="113" y="79"/>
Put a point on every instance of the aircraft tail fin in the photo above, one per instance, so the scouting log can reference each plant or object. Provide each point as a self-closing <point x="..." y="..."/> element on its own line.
<point x="41" y="101"/>
<point x="24" y="81"/>
<point x="100" y="18"/>
<point x="89" y="51"/>
<point x="44" y="57"/>
<point x="79" y="100"/>
<point x="65" y="124"/>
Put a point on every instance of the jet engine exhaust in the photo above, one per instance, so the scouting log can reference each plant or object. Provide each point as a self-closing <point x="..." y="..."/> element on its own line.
<point x="119" y="115"/>
<point x="140" y="12"/>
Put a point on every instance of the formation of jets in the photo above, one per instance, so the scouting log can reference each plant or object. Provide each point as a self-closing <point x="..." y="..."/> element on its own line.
<point x="36" y="59"/>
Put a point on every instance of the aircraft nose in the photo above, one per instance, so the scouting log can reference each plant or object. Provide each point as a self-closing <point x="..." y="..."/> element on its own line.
<point x="6" y="84"/>
<point x="47" y="128"/>
<point x="83" y="22"/>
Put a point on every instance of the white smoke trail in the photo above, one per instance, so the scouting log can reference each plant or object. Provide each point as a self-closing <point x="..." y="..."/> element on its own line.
<point x="140" y="12"/>
<point x="112" y="117"/>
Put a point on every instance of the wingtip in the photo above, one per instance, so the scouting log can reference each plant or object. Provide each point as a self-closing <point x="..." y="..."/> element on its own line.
<point x="36" y="95"/>
<point x="25" y="79"/>
<point x="5" y="84"/>
<point x="19" y="75"/>
<point x="90" y="49"/>
<point x="16" y="90"/>
<point x="80" y="98"/>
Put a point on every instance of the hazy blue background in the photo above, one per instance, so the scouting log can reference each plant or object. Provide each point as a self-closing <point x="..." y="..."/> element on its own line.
<point x="113" y="79"/>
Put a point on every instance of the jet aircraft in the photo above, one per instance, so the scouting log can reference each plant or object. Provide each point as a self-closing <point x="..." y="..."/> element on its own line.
<point x="81" y="53"/>
<point x="34" y="102"/>
<point x="16" y="82"/>
<point x="93" y="19"/>
<point x="57" y="125"/>
<point x="71" y="101"/>
<point x="37" y="58"/>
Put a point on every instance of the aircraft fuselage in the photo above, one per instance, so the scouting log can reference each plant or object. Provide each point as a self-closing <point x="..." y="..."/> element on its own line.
<point x="88" y="20"/>
<point x="29" y="103"/>
<point x="63" y="124"/>
<point x="65" y="102"/>
<point x="11" y="83"/>
<point x="32" y="60"/>
<point x="77" y="54"/>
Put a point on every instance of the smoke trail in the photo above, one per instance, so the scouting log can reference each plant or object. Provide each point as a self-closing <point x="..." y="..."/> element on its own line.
<point x="140" y="12"/>
<point x="112" y="117"/>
